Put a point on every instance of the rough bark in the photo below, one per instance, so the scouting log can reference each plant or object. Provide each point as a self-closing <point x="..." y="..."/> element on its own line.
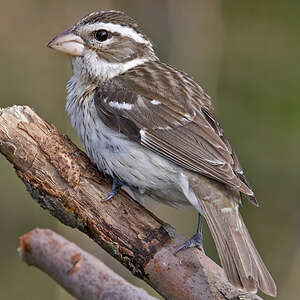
<point x="80" y="273"/>
<point x="62" y="180"/>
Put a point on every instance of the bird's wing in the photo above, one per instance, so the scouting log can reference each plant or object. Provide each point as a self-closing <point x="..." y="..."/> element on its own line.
<point x="167" y="112"/>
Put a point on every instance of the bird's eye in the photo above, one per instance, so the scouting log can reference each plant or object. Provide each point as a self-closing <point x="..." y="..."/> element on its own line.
<point x="102" y="35"/>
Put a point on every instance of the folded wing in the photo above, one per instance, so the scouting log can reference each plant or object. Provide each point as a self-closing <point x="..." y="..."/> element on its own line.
<point x="166" y="111"/>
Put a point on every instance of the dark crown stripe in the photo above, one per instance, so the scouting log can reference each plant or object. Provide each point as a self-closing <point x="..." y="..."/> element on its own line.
<point x="114" y="17"/>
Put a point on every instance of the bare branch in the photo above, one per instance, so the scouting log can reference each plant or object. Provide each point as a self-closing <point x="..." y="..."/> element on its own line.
<point x="62" y="180"/>
<point x="80" y="273"/>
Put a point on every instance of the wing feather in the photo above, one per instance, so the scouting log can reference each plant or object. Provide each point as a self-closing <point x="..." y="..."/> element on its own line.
<point x="167" y="112"/>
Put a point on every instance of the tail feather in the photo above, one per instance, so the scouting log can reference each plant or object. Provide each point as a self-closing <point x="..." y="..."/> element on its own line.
<point x="239" y="257"/>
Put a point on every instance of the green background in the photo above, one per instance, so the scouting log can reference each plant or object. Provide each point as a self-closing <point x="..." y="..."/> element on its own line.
<point x="245" y="54"/>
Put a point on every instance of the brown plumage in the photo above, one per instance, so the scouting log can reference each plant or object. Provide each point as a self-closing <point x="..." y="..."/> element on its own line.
<point x="183" y="118"/>
<point x="153" y="128"/>
<point x="112" y="17"/>
<point x="182" y="127"/>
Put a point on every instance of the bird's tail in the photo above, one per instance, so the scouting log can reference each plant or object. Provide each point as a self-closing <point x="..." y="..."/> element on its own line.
<point x="239" y="257"/>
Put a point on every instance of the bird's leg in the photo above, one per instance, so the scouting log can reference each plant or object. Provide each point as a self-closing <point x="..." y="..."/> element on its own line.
<point x="195" y="240"/>
<point x="117" y="184"/>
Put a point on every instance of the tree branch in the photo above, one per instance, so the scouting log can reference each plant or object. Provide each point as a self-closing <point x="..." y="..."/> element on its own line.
<point x="62" y="180"/>
<point x="80" y="273"/>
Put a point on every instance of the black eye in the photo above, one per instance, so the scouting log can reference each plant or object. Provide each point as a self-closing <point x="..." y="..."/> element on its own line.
<point x="102" y="35"/>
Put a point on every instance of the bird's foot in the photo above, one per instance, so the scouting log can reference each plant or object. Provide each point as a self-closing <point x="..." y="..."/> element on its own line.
<point x="195" y="241"/>
<point x="117" y="184"/>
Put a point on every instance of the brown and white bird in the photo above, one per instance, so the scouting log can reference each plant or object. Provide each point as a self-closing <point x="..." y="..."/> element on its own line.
<point x="152" y="128"/>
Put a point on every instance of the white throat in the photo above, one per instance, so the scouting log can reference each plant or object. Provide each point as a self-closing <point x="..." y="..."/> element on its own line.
<point x="99" y="70"/>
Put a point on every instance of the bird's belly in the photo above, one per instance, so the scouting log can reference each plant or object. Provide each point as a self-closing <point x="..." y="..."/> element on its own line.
<point x="140" y="168"/>
<point x="131" y="162"/>
<point x="113" y="153"/>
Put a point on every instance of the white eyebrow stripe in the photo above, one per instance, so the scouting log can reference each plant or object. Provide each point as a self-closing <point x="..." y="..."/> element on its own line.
<point x="122" y="30"/>
<point x="121" y="105"/>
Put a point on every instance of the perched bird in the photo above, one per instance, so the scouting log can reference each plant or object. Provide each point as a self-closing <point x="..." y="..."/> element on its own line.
<point x="152" y="128"/>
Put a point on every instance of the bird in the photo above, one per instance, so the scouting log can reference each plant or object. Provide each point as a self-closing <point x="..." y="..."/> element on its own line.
<point x="152" y="128"/>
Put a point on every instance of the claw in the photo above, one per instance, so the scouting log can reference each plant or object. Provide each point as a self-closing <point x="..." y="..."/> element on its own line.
<point x="196" y="240"/>
<point x="117" y="184"/>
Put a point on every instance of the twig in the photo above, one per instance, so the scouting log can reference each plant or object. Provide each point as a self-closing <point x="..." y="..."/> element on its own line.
<point x="62" y="180"/>
<point x="80" y="273"/>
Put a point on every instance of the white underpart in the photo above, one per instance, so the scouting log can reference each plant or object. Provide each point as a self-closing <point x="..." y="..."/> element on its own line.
<point x="114" y="153"/>
<point x="122" y="30"/>
<point x="155" y="102"/>
<point x="121" y="105"/>
<point x="102" y="69"/>
<point x="188" y="192"/>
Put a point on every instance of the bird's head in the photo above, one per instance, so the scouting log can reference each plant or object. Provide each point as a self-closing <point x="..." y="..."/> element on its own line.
<point x="104" y="44"/>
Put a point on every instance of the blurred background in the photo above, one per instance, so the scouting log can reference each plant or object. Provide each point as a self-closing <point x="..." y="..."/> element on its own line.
<point x="245" y="54"/>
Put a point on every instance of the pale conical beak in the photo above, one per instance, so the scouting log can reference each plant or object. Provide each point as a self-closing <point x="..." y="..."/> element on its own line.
<point x="68" y="42"/>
